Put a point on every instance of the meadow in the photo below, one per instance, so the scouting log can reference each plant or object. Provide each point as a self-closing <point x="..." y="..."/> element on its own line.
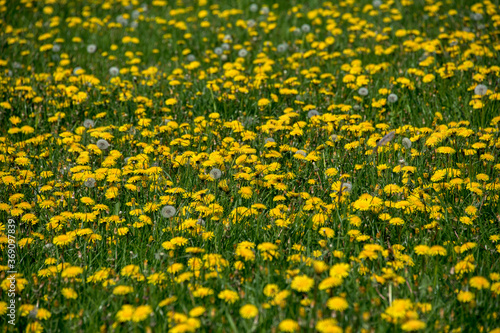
<point x="249" y="166"/>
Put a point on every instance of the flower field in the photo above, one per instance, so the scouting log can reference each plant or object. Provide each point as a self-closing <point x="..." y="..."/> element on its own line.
<point x="240" y="166"/>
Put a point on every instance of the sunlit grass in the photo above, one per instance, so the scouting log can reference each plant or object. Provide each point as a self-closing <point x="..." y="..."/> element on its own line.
<point x="235" y="166"/>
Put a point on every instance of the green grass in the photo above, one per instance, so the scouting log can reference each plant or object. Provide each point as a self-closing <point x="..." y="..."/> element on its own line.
<point x="354" y="236"/>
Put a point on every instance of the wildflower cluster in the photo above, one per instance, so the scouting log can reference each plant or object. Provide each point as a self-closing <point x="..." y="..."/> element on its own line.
<point x="211" y="166"/>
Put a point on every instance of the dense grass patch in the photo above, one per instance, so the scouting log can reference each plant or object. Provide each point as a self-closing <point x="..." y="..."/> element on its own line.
<point x="229" y="166"/>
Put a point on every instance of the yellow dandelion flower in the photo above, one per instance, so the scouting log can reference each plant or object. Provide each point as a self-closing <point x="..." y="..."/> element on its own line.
<point x="337" y="303"/>
<point x="63" y="240"/>
<point x="229" y="296"/>
<point x="197" y="311"/>
<point x="34" y="327"/>
<point x="126" y="313"/>
<point x="246" y="192"/>
<point x="271" y="289"/>
<point x="249" y="311"/>
<point x="413" y="325"/>
<point x="302" y="283"/>
<point x="141" y="313"/>
<point x="340" y="270"/>
<point x="122" y="290"/>
<point x="465" y="296"/>
<point x="289" y="325"/>
<point x="479" y="282"/>
<point x="71" y="272"/>
<point x="69" y="293"/>
<point x="422" y="250"/>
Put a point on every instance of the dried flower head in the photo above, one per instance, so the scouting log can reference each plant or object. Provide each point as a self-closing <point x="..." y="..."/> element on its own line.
<point x="305" y="28"/>
<point x="480" y="90"/>
<point x="90" y="182"/>
<point x="88" y="123"/>
<point x="312" y="113"/>
<point x="215" y="173"/>
<point x="168" y="211"/>
<point x="363" y="91"/>
<point x="346" y="187"/>
<point x="283" y="47"/>
<point x="406" y="143"/>
<point x="392" y="98"/>
<point x="91" y="48"/>
<point x="114" y="71"/>
<point x="102" y="144"/>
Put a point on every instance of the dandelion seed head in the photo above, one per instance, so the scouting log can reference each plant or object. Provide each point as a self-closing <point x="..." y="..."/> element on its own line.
<point x="376" y="3"/>
<point x="305" y="28"/>
<point x="91" y="48"/>
<point x="225" y="46"/>
<point x="254" y="8"/>
<point x="283" y="47"/>
<point x="114" y="71"/>
<point x="267" y="140"/>
<point x="90" y="182"/>
<point x="33" y="313"/>
<point x="363" y="91"/>
<point x="264" y="10"/>
<point x="356" y="107"/>
<point x="191" y="58"/>
<point x="88" y="123"/>
<point x="301" y="152"/>
<point x="392" y="98"/>
<point x="215" y="173"/>
<point x="120" y="19"/>
<point x="102" y="144"/>
<point x="481" y="90"/>
<point x="406" y="143"/>
<point x="242" y="53"/>
<point x="168" y="211"/>
<point x="476" y="16"/>
<point x="56" y="48"/>
<point x="312" y="113"/>
<point x="219" y="51"/>
<point x="346" y="187"/>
